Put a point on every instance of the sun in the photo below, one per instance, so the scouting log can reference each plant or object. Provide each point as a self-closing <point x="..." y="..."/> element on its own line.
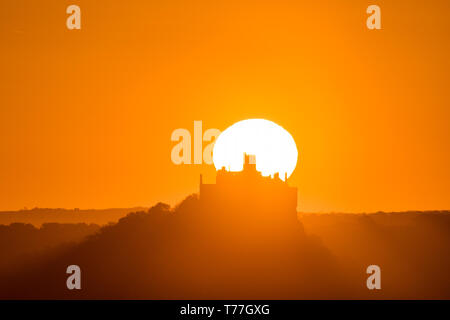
<point x="273" y="147"/>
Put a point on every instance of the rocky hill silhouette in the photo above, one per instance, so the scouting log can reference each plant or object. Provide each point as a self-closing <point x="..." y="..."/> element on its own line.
<point x="186" y="253"/>
<point x="176" y="253"/>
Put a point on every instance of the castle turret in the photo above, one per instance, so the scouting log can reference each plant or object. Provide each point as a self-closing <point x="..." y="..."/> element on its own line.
<point x="249" y="162"/>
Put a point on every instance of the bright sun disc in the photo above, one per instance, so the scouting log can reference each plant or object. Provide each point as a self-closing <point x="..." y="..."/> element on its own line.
<point x="273" y="147"/>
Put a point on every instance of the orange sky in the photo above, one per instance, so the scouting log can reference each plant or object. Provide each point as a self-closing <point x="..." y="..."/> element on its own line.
<point x="86" y="116"/>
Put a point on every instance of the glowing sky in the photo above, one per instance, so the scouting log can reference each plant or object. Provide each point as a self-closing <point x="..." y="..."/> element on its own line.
<point x="86" y="116"/>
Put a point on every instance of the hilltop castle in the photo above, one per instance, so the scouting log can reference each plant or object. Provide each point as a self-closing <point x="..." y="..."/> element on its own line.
<point x="248" y="197"/>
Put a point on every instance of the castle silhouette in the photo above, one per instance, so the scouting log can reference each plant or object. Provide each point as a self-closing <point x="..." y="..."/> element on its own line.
<point x="246" y="199"/>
